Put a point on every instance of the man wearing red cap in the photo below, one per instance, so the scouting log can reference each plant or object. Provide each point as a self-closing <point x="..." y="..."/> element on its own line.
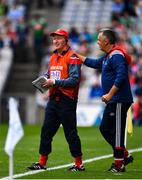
<point x="64" y="74"/>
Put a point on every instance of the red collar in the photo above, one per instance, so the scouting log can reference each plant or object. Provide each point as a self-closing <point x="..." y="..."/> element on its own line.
<point x="120" y="48"/>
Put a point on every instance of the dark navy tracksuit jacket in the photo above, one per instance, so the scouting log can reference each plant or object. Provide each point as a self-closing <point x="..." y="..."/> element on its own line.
<point x="114" y="72"/>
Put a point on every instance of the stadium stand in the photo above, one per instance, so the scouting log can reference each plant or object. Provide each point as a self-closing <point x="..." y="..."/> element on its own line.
<point x="83" y="19"/>
<point x="86" y="13"/>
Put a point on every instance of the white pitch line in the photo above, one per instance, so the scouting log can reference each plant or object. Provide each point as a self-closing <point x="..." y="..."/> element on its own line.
<point x="67" y="165"/>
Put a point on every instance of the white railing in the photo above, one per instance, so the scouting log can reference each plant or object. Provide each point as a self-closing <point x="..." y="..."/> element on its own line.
<point x="6" y="57"/>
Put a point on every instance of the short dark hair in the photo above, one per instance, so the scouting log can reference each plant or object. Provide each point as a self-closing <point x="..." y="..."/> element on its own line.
<point x="110" y="34"/>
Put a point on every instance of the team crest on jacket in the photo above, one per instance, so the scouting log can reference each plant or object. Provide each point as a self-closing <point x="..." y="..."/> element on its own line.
<point x="105" y="62"/>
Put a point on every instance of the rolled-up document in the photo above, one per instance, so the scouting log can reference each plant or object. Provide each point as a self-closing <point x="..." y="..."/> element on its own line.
<point x="37" y="83"/>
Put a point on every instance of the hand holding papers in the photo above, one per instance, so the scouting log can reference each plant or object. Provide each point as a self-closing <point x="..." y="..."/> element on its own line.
<point x="38" y="83"/>
<point x="43" y="84"/>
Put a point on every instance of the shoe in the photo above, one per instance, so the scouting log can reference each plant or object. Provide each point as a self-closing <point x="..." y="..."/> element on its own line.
<point x="36" y="166"/>
<point x="76" y="168"/>
<point x="116" y="169"/>
<point x="128" y="160"/>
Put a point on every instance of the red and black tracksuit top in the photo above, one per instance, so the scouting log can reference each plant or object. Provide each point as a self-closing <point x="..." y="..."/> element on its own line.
<point x="65" y="68"/>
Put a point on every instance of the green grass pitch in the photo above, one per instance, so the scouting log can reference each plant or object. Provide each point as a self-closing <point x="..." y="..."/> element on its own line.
<point x="93" y="145"/>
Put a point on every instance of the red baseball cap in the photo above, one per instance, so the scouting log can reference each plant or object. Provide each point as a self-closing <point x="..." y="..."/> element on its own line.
<point x="60" y="32"/>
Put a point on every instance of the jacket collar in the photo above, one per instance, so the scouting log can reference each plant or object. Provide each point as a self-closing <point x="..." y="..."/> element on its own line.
<point x="120" y="48"/>
<point x="63" y="52"/>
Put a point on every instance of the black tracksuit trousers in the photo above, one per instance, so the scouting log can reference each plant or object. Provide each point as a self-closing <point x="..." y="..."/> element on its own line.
<point x="60" y="110"/>
<point x="113" y="126"/>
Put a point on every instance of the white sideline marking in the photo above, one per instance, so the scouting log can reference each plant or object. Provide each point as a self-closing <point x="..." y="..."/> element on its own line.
<point x="66" y="165"/>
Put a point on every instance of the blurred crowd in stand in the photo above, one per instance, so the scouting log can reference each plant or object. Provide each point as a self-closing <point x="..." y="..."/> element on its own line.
<point x="11" y="15"/>
<point x="126" y="20"/>
<point x="23" y="33"/>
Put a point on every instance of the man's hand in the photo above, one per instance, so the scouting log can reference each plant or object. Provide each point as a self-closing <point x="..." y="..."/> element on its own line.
<point x="106" y="98"/>
<point x="82" y="58"/>
<point x="49" y="83"/>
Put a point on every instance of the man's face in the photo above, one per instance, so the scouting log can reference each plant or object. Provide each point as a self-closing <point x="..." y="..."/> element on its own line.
<point x="59" y="42"/>
<point x="102" y="42"/>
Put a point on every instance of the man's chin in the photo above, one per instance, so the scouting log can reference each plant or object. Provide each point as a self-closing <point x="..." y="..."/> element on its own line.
<point x="57" y="47"/>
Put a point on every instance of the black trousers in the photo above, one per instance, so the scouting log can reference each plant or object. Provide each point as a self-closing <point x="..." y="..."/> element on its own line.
<point x="113" y="126"/>
<point x="60" y="110"/>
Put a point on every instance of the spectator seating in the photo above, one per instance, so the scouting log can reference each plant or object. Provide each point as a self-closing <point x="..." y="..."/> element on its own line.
<point x="86" y="13"/>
